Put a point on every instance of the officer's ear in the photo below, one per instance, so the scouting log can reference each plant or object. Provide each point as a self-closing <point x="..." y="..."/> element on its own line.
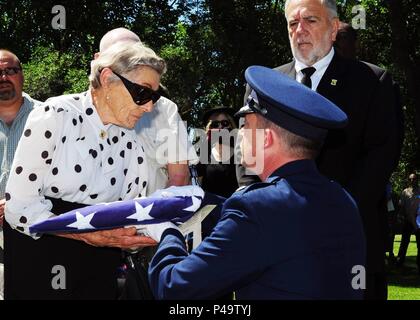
<point x="268" y="138"/>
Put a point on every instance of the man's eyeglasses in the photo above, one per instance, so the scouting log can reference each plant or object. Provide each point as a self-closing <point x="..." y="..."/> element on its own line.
<point x="9" y="71"/>
<point x="140" y="94"/>
<point x="219" y="124"/>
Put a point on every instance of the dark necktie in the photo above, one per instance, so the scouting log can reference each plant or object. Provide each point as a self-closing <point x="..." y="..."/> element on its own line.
<point x="307" y="73"/>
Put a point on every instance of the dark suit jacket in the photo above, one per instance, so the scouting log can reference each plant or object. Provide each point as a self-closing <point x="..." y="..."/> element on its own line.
<point x="295" y="236"/>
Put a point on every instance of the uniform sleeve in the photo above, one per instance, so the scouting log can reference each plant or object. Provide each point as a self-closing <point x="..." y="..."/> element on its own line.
<point x="221" y="263"/>
<point x="26" y="204"/>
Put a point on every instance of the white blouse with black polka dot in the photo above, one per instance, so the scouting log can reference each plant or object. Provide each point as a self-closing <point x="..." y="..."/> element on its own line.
<point x="66" y="152"/>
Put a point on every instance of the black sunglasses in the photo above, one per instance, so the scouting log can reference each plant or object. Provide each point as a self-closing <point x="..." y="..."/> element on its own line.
<point x="9" y="71"/>
<point x="216" y="124"/>
<point x="140" y="94"/>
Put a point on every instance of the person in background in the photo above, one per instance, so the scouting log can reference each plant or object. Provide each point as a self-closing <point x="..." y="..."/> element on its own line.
<point x="15" y="107"/>
<point x="217" y="172"/>
<point x="409" y="206"/>
<point x="159" y="130"/>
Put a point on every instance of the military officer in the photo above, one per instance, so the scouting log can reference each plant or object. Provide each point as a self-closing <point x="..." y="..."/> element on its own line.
<point x="249" y="251"/>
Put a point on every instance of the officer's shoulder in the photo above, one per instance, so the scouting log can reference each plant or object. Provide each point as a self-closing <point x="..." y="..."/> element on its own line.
<point x="257" y="187"/>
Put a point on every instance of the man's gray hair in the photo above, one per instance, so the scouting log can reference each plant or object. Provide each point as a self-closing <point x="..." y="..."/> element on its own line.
<point x="123" y="57"/>
<point x="331" y="6"/>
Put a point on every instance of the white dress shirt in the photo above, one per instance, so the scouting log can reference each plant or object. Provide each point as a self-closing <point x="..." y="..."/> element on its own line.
<point x="321" y="66"/>
<point x="164" y="137"/>
<point x="66" y="152"/>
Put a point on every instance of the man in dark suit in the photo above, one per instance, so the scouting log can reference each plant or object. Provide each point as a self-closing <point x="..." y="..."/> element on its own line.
<point x="249" y="250"/>
<point x="362" y="156"/>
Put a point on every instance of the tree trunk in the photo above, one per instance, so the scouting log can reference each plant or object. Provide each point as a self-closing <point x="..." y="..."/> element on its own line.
<point x="405" y="58"/>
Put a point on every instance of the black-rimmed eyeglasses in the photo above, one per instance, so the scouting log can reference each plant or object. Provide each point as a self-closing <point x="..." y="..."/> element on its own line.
<point x="9" y="71"/>
<point x="219" y="124"/>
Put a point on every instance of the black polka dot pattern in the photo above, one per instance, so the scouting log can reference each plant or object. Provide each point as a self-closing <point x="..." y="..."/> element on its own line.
<point x="74" y="122"/>
<point x="7" y="196"/>
<point x="89" y="111"/>
<point x="77" y="168"/>
<point x="113" y="181"/>
<point x="27" y="132"/>
<point x="63" y="139"/>
<point x="110" y="161"/>
<point x="140" y="160"/>
<point x="125" y="171"/>
<point x="60" y="110"/>
<point x="76" y="98"/>
<point x="44" y="154"/>
<point x="23" y="219"/>
<point x="49" y="161"/>
<point x="137" y="180"/>
<point x="32" y="177"/>
<point x="115" y="139"/>
<point x="21" y="229"/>
<point x="93" y="196"/>
<point x="94" y="153"/>
<point x="83" y="188"/>
<point x="54" y="189"/>
<point x="129" y="145"/>
<point x="144" y="184"/>
<point x="101" y="147"/>
<point x="47" y="108"/>
<point x="19" y="170"/>
<point x="55" y="171"/>
<point x="48" y="134"/>
<point x="122" y="154"/>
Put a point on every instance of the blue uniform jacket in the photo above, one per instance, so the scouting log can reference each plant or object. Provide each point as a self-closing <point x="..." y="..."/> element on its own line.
<point x="295" y="236"/>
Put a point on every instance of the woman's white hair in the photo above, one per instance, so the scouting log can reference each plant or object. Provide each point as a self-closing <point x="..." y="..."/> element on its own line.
<point x="123" y="57"/>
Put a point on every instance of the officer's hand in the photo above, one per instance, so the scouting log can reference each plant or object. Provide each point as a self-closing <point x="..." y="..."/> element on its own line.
<point x="125" y="238"/>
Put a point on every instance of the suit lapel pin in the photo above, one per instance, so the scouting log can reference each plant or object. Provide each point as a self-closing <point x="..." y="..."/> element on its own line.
<point x="334" y="82"/>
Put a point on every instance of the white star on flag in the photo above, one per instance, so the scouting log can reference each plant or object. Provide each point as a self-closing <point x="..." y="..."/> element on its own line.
<point x="141" y="214"/>
<point x="82" y="222"/>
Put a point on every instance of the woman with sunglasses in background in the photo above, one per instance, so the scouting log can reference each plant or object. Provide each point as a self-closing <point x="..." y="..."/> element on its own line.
<point x="79" y="150"/>
<point x="217" y="173"/>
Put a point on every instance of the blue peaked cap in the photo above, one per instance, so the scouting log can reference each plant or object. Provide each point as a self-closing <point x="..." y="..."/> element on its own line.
<point x="291" y="105"/>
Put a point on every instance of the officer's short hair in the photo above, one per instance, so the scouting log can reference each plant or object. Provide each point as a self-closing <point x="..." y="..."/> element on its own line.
<point x="298" y="146"/>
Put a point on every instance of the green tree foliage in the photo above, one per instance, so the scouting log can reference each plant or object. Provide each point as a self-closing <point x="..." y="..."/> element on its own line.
<point x="50" y="73"/>
<point x="208" y="44"/>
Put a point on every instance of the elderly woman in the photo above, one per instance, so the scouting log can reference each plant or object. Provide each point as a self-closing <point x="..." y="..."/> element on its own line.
<point x="218" y="171"/>
<point x="79" y="150"/>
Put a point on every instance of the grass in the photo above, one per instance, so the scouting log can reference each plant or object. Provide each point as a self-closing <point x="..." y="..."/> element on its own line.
<point x="404" y="282"/>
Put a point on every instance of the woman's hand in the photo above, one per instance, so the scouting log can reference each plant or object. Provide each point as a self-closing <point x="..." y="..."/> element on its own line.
<point x="125" y="238"/>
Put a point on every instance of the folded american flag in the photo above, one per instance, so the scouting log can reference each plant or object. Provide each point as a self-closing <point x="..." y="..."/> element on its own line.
<point x="175" y="204"/>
